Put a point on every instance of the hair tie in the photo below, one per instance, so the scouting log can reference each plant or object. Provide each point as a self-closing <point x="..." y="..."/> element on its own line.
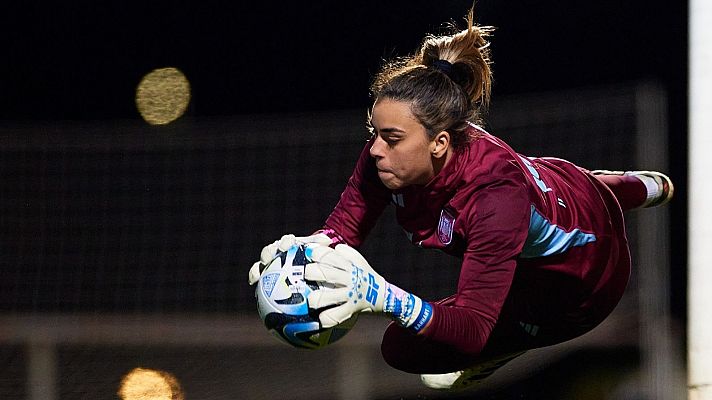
<point x="443" y="66"/>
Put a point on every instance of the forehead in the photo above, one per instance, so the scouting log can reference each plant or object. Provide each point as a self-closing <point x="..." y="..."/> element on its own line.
<point x="388" y="113"/>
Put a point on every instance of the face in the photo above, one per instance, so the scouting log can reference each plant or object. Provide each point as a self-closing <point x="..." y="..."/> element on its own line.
<point x="402" y="149"/>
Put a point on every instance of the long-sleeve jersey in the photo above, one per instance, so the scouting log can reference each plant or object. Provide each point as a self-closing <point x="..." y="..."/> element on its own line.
<point x="542" y="242"/>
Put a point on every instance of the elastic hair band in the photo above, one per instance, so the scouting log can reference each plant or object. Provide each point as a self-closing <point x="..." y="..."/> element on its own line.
<point x="443" y="66"/>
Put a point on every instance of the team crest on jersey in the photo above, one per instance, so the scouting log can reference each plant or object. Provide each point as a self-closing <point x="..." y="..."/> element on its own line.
<point x="445" y="227"/>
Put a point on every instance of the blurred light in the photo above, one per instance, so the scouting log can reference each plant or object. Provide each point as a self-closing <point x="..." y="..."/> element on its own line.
<point x="162" y="96"/>
<point x="148" y="384"/>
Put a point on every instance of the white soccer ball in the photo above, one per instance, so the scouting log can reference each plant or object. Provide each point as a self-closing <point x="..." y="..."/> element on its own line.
<point x="282" y="302"/>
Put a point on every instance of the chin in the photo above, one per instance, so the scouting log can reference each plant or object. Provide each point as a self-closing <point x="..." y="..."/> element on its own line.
<point x="392" y="185"/>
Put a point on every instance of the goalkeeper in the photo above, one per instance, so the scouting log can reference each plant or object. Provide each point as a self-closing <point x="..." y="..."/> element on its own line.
<point x="542" y="241"/>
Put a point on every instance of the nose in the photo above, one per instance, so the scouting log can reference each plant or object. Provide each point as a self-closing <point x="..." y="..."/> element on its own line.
<point x="376" y="150"/>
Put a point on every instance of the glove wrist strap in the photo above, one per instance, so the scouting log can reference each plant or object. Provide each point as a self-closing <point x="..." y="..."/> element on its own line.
<point x="331" y="234"/>
<point x="406" y="309"/>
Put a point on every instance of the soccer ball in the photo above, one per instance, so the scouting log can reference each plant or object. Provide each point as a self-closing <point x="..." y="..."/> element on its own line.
<point x="282" y="302"/>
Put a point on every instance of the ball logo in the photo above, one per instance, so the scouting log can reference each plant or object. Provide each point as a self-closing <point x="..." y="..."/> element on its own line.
<point x="281" y="295"/>
<point x="268" y="282"/>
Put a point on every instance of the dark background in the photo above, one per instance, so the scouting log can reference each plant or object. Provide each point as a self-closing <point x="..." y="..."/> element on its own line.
<point x="82" y="60"/>
<point x="101" y="213"/>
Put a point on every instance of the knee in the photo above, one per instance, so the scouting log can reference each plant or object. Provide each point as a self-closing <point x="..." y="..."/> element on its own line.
<point x="394" y="348"/>
<point x="408" y="352"/>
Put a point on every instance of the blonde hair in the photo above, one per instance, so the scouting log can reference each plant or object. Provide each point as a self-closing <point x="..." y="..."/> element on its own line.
<point x="448" y="81"/>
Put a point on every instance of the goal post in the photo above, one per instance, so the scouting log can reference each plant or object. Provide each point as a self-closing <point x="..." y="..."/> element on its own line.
<point x="700" y="192"/>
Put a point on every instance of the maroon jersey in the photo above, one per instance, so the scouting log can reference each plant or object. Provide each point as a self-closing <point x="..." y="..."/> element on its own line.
<point x="542" y="242"/>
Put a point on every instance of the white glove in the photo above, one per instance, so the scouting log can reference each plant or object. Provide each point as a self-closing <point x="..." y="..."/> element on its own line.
<point x="358" y="288"/>
<point x="270" y="251"/>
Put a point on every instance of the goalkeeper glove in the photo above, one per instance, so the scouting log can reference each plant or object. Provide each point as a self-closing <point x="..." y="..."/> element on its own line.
<point x="270" y="251"/>
<point x="358" y="289"/>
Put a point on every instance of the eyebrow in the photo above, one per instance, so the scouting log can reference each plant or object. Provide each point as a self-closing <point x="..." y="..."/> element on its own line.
<point x="391" y="130"/>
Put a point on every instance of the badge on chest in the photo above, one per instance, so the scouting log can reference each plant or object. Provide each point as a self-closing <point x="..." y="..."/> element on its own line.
<point x="445" y="227"/>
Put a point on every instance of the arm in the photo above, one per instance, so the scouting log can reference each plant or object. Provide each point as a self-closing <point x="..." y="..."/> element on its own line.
<point x="498" y="230"/>
<point x="361" y="203"/>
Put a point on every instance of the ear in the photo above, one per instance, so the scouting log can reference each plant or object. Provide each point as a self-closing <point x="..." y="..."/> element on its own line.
<point x="440" y="144"/>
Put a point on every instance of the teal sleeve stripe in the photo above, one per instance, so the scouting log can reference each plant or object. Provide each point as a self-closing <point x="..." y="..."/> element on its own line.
<point x="546" y="239"/>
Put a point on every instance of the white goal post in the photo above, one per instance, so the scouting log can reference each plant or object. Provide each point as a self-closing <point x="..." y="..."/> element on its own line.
<point x="700" y="193"/>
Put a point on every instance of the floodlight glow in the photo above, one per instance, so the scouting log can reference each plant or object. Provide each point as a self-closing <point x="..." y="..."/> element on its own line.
<point x="148" y="384"/>
<point x="162" y="96"/>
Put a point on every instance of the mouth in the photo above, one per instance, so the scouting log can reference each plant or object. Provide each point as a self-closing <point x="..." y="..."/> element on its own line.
<point x="388" y="178"/>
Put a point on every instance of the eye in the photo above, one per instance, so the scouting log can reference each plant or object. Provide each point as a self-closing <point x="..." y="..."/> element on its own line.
<point x="391" y="140"/>
<point x="393" y="136"/>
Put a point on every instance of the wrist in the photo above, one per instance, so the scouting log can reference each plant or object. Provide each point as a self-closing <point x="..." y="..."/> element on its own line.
<point x="406" y="309"/>
<point x="332" y="235"/>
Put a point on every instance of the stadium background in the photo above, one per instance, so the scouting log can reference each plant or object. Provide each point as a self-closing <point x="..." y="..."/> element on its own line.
<point x="126" y="245"/>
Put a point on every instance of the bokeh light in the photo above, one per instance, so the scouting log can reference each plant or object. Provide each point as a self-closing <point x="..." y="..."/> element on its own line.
<point x="149" y="384"/>
<point x="162" y="96"/>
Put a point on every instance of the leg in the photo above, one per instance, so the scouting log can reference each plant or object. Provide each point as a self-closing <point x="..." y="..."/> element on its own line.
<point x="467" y="377"/>
<point x="629" y="190"/>
<point x="447" y="369"/>
<point x="637" y="189"/>
<point x="412" y="353"/>
<point x="408" y="352"/>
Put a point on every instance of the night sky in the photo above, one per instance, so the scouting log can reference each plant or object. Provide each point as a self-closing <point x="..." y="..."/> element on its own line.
<point x="83" y="60"/>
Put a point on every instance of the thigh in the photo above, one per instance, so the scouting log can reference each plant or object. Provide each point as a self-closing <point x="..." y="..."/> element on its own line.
<point x="408" y="352"/>
<point x="412" y="353"/>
